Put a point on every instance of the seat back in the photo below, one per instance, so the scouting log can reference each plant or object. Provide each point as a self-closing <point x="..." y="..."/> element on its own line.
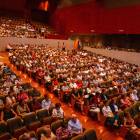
<point x="56" y="125"/>
<point x="41" y="114"/>
<point x="2" y="98"/>
<point x="138" y="106"/>
<point x="121" y="117"/>
<point x="130" y="111"/>
<point x="50" y="110"/>
<point x="101" y="106"/>
<point x="135" y="110"/>
<point x="29" y="102"/>
<point x="15" y="106"/>
<point x="79" y="137"/>
<point x="90" y="134"/>
<point x="29" y="118"/>
<point x="13" y="124"/>
<point x="40" y="99"/>
<point x="2" y="128"/>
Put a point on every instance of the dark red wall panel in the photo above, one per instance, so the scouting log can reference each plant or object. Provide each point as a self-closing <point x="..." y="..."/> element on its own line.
<point x="91" y="16"/>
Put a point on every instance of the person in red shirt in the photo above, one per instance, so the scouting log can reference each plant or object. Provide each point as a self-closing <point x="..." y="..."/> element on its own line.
<point x="40" y="74"/>
<point x="35" y="105"/>
<point x="97" y="98"/>
<point x="63" y="46"/>
<point x="56" y="86"/>
<point x="79" y="83"/>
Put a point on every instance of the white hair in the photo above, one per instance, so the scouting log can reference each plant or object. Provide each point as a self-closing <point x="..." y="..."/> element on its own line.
<point x="73" y="116"/>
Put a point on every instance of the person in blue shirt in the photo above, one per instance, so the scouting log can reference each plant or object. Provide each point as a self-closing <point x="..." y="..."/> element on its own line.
<point x="75" y="126"/>
<point x="8" y="70"/>
<point x="114" y="107"/>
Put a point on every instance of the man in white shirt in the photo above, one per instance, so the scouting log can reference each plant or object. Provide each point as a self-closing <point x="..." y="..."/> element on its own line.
<point x="79" y="76"/>
<point x="73" y="84"/>
<point x="110" y="117"/>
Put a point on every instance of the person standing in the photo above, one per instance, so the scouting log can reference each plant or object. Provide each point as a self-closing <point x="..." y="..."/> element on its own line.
<point x="63" y="46"/>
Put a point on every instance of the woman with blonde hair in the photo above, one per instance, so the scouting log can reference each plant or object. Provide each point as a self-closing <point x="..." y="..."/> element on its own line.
<point x="47" y="134"/>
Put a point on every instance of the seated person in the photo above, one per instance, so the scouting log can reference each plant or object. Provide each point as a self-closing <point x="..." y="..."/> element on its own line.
<point x="18" y="80"/>
<point x="27" y="86"/>
<point x="120" y="89"/>
<point x="114" y="107"/>
<point x="34" y="92"/>
<point x="79" y="100"/>
<point x="22" y="95"/>
<point x="46" y="103"/>
<point x="129" y="122"/>
<point x="60" y="79"/>
<point x="35" y="105"/>
<point x="4" y="90"/>
<point x="103" y="95"/>
<point x="13" y="75"/>
<point x="133" y="96"/>
<point x="79" y="83"/>
<point x="10" y="99"/>
<point x="63" y="132"/>
<point x="8" y="70"/>
<point x="75" y="126"/>
<point x="73" y="86"/>
<point x="47" y="79"/>
<point x="90" y="90"/>
<point x="8" y="113"/>
<point x="124" y="101"/>
<point x="8" y="82"/>
<point x="56" y="87"/>
<point x="67" y="93"/>
<point x="47" y="134"/>
<point x="58" y="112"/>
<point x="17" y="87"/>
<point x="27" y="136"/>
<point x="22" y="108"/>
<point x="114" y="82"/>
<point x="110" y="117"/>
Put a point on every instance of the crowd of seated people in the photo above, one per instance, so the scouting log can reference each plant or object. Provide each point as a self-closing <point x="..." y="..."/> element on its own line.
<point x="21" y="94"/>
<point x="86" y="78"/>
<point x="12" y="27"/>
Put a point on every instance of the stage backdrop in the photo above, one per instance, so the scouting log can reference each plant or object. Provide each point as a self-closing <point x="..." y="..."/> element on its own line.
<point x="130" y="57"/>
<point x="51" y="42"/>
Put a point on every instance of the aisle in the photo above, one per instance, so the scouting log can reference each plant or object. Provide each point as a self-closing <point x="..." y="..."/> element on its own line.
<point x="87" y="122"/>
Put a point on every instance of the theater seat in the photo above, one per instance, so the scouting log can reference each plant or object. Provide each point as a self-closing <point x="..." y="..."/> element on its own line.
<point x="50" y="110"/>
<point x="56" y="125"/>
<point x="30" y="121"/>
<point x="41" y="114"/>
<point x="90" y="134"/>
<point x="15" y="127"/>
<point x="48" y="120"/>
<point x="79" y="137"/>
<point x="4" y="135"/>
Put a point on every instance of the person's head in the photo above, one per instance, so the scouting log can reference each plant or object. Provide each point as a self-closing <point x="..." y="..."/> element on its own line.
<point x="7" y="107"/>
<point x="10" y="94"/>
<point x="105" y="103"/>
<point x="127" y="114"/>
<point x="46" y="96"/>
<point x="47" y="131"/>
<point x="26" y="136"/>
<point x="113" y="101"/>
<point x="65" y="83"/>
<point x="73" y="118"/>
<point x="89" y="85"/>
<point x="64" y="125"/>
<point x="28" y="83"/>
<point x="46" y="73"/>
<point x="123" y="96"/>
<point x="35" y="101"/>
<point x="97" y="94"/>
<point x="21" y="102"/>
<point x="104" y="91"/>
<point x="18" y="78"/>
<point x="34" y="88"/>
<point x="57" y="106"/>
<point x="21" y="90"/>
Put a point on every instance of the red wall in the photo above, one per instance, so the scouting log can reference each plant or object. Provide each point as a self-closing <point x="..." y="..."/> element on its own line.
<point x="92" y="16"/>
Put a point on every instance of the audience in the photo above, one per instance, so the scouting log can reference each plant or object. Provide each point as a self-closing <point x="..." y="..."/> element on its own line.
<point x="22" y="95"/>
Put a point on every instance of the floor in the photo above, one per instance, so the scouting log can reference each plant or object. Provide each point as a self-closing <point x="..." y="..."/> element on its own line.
<point x="87" y="122"/>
